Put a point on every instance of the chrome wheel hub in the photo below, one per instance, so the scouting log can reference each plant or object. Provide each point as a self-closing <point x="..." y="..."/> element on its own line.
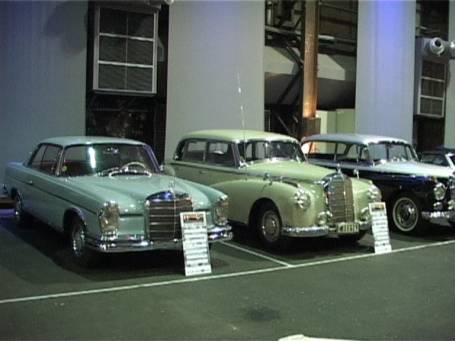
<point x="405" y="214"/>
<point x="78" y="241"/>
<point x="270" y="226"/>
<point x="17" y="209"/>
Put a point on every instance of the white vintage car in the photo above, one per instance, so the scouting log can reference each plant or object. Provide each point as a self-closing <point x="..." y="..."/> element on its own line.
<point x="109" y="195"/>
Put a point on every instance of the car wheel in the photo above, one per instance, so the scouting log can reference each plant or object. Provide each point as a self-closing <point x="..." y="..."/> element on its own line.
<point x="269" y="227"/>
<point x="21" y="218"/>
<point x="80" y="252"/>
<point x="406" y="214"/>
<point x="354" y="238"/>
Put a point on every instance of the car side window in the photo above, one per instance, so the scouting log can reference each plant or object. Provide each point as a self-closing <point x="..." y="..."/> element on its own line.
<point x="440" y="160"/>
<point x="50" y="159"/>
<point x="255" y="150"/>
<point x="194" y="151"/>
<point x="35" y="161"/>
<point x="352" y="153"/>
<point x="220" y="154"/>
<point x="427" y="158"/>
<point x="321" y="150"/>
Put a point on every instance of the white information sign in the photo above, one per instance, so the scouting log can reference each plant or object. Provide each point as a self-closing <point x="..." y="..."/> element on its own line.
<point x="195" y="243"/>
<point x="381" y="236"/>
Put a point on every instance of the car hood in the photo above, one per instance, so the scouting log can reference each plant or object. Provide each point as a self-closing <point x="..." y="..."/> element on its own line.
<point x="301" y="171"/>
<point x="414" y="168"/>
<point x="130" y="192"/>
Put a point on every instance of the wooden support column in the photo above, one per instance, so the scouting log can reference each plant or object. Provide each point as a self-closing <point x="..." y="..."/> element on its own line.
<point x="309" y="124"/>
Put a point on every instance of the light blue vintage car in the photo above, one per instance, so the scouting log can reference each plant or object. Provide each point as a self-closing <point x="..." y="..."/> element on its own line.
<point x="109" y="195"/>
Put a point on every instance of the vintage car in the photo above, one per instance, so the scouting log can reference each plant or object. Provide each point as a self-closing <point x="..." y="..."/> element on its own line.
<point x="272" y="189"/>
<point x="441" y="156"/>
<point x="415" y="192"/>
<point x="109" y="195"/>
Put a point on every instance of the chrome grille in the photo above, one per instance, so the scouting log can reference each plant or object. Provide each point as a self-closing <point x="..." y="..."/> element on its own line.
<point x="164" y="210"/>
<point x="340" y="198"/>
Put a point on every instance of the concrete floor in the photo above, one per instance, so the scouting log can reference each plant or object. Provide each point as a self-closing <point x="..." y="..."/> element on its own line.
<point x="320" y="288"/>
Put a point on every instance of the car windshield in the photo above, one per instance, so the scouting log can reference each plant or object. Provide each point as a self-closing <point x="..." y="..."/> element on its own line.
<point x="258" y="151"/>
<point x="108" y="159"/>
<point x="391" y="152"/>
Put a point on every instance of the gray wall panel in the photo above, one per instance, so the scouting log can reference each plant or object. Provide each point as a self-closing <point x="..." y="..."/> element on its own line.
<point x="450" y="104"/>
<point x="42" y="74"/>
<point x="211" y="45"/>
<point x="385" y="68"/>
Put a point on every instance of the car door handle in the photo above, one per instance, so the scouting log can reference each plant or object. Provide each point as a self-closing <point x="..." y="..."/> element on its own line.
<point x="30" y="182"/>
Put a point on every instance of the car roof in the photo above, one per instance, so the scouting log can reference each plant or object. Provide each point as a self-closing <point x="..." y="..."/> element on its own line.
<point x="353" y="138"/>
<point x="77" y="140"/>
<point x="236" y="135"/>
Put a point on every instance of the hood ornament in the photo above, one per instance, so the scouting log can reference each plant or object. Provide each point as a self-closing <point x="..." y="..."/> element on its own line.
<point x="338" y="168"/>
<point x="172" y="186"/>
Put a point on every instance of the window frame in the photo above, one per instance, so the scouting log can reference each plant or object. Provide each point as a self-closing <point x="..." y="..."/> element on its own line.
<point x="56" y="172"/>
<point x="96" y="49"/>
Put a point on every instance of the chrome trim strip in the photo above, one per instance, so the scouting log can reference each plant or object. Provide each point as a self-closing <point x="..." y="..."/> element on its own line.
<point x="319" y="231"/>
<point x="215" y="234"/>
<point x="439" y="216"/>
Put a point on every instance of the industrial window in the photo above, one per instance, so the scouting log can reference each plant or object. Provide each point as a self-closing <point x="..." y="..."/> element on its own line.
<point x="432" y="89"/>
<point x="125" y="51"/>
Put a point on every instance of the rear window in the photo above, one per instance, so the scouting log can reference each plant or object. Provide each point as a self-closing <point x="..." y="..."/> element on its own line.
<point x="193" y="151"/>
<point x="320" y="150"/>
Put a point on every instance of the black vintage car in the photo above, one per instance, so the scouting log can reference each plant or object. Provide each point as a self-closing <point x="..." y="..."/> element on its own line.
<point x="415" y="192"/>
<point x="440" y="156"/>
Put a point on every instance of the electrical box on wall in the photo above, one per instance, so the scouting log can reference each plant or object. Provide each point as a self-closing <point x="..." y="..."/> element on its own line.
<point x="125" y="49"/>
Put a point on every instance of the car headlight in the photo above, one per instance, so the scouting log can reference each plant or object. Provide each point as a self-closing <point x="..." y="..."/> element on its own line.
<point x="323" y="218"/>
<point x="302" y="199"/>
<point x="365" y="215"/>
<point x="452" y="188"/>
<point x="374" y="194"/>
<point x="109" y="218"/>
<point x="439" y="191"/>
<point x="221" y="211"/>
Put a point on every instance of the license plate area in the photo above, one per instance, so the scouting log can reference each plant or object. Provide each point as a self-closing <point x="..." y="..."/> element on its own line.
<point x="347" y="228"/>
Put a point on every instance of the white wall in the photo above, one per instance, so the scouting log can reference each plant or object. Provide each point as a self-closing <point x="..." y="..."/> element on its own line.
<point x="449" y="139"/>
<point x="42" y="74"/>
<point x="211" y="45"/>
<point x="385" y="67"/>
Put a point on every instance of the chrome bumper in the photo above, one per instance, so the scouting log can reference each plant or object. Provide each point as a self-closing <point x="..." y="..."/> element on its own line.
<point x="319" y="231"/>
<point x="140" y="244"/>
<point x="439" y="217"/>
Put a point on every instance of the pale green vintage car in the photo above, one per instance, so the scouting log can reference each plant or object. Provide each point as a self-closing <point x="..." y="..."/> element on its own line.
<point x="109" y="195"/>
<point x="271" y="187"/>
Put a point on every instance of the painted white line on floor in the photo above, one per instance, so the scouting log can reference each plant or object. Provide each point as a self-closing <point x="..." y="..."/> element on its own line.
<point x="213" y="277"/>
<point x="257" y="254"/>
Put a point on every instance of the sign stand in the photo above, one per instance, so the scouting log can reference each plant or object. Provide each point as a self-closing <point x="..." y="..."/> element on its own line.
<point x="195" y="243"/>
<point x="380" y="228"/>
